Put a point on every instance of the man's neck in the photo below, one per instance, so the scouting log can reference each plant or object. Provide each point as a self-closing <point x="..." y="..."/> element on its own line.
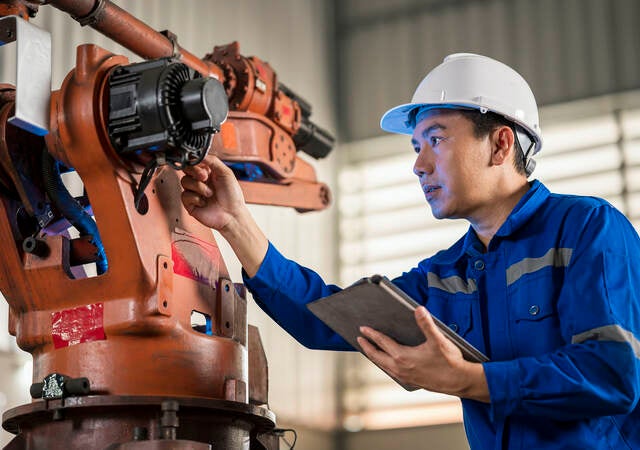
<point x="487" y="223"/>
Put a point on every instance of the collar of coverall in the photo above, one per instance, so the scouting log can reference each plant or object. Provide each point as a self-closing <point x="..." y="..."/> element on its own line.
<point x="524" y="210"/>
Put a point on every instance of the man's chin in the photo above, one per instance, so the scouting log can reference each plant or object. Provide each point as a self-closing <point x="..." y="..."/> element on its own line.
<point x="442" y="213"/>
<point x="438" y="213"/>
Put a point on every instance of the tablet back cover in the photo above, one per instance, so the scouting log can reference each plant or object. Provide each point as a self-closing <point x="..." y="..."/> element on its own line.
<point x="377" y="303"/>
<point x="365" y="304"/>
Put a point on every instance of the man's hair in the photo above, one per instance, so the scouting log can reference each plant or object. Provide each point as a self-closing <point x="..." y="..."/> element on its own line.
<point x="485" y="123"/>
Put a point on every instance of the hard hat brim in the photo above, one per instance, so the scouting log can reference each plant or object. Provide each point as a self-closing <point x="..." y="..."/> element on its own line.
<point x="396" y="120"/>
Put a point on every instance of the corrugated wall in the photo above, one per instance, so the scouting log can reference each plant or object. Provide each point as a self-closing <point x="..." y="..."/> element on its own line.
<point x="566" y="49"/>
<point x="293" y="36"/>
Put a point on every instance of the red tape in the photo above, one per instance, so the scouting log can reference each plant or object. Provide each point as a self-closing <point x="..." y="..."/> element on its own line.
<point x="77" y="325"/>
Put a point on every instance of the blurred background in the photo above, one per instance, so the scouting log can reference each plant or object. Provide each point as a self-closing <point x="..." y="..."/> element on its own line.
<point x="352" y="60"/>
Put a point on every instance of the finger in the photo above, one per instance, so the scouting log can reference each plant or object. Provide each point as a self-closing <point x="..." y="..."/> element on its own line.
<point x="430" y="329"/>
<point x="191" y="184"/>
<point x="199" y="172"/>
<point x="426" y="323"/>
<point x="383" y="341"/>
<point x="377" y="356"/>
<point x="218" y="165"/>
<point x="365" y="345"/>
<point x="192" y="200"/>
<point x="374" y="354"/>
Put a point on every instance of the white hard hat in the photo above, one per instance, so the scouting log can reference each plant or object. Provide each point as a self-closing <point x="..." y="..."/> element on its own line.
<point x="472" y="81"/>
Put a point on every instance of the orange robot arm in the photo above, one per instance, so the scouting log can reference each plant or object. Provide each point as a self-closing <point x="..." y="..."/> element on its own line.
<point x="121" y="349"/>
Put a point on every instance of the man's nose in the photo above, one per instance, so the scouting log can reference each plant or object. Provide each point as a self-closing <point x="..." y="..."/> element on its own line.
<point x="423" y="164"/>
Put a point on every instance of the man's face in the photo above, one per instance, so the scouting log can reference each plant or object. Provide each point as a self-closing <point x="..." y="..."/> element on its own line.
<point x="451" y="164"/>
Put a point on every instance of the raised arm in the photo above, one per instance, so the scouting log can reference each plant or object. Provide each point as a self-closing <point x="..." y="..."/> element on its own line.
<point x="212" y="195"/>
<point x="281" y="287"/>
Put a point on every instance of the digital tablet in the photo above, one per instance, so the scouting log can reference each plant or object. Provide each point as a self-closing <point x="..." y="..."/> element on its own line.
<point x="377" y="303"/>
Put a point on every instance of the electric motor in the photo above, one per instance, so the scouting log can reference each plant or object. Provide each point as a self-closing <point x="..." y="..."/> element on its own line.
<point x="163" y="109"/>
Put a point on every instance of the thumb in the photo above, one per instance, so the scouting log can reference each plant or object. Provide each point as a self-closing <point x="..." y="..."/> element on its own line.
<point x="426" y="323"/>
<point x="431" y="331"/>
<point x="219" y="167"/>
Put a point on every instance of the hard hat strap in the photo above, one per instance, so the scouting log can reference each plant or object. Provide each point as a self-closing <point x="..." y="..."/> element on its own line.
<point x="522" y="137"/>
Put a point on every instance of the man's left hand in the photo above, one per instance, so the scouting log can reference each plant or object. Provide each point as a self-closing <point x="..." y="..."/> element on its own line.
<point x="436" y="365"/>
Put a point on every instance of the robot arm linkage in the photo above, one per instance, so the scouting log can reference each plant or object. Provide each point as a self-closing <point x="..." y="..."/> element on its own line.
<point x="124" y="128"/>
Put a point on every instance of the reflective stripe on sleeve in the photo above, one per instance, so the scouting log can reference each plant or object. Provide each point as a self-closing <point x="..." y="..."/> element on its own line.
<point x="555" y="257"/>
<point x="613" y="333"/>
<point x="452" y="284"/>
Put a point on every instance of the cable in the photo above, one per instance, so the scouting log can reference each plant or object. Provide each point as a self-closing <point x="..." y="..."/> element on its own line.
<point x="281" y="433"/>
<point x="145" y="178"/>
<point x="69" y="207"/>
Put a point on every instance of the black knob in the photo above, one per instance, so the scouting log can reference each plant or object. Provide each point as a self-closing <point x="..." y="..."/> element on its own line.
<point x="35" y="246"/>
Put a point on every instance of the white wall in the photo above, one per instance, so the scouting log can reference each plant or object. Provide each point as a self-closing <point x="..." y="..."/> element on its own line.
<point x="292" y="35"/>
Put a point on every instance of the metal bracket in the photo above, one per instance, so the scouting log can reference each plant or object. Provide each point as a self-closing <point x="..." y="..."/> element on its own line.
<point x="165" y="285"/>
<point x="173" y="38"/>
<point x="33" y="73"/>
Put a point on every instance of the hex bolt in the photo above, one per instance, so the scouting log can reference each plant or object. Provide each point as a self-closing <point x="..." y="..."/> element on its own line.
<point x="169" y="422"/>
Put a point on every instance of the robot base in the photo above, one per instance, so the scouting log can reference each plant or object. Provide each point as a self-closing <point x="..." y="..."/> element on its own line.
<point x="112" y="422"/>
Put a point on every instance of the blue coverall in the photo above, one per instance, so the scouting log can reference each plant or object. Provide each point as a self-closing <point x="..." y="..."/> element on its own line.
<point x="554" y="302"/>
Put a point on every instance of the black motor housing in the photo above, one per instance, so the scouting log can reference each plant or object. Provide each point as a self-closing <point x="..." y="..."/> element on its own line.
<point x="163" y="108"/>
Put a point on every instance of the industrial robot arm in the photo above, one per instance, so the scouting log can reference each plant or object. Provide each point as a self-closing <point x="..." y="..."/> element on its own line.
<point x="161" y="325"/>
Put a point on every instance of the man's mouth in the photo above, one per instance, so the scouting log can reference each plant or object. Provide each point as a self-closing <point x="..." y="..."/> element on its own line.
<point x="429" y="188"/>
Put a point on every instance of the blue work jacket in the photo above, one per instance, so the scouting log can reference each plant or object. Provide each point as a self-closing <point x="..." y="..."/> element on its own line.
<point x="554" y="302"/>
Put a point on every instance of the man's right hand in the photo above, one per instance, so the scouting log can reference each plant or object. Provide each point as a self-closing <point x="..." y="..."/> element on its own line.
<point x="213" y="196"/>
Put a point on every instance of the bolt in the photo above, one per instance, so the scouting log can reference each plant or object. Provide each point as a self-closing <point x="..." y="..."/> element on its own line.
<point x="169" y="422"/>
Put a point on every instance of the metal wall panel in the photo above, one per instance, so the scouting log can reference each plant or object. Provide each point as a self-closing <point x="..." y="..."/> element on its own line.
<point x="566" y="49"/>
<point x="294" y="36"/>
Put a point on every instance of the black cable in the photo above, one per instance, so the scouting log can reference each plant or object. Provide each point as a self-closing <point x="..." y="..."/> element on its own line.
<point x="177" y="162"/>
<point x="145" y="178"/>
<point x="281" y="433"/>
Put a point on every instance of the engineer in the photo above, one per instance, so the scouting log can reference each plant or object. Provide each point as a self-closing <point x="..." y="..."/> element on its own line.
<point x="546" y="285"/>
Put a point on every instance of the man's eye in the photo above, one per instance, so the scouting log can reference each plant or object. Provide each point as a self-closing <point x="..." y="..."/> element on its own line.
<point x="435" y="140"/>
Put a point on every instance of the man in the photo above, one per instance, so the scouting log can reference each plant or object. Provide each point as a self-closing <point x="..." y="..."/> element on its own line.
<point x="546" y="285"/>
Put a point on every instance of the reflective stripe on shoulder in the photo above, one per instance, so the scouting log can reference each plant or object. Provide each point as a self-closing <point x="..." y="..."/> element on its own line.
<point x="613" y="333"/>
<point x="555" y="257"/>
<point x="453" y="284"/>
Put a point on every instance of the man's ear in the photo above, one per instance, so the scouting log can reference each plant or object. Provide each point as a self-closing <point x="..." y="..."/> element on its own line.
<point x="502" y="145"/>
